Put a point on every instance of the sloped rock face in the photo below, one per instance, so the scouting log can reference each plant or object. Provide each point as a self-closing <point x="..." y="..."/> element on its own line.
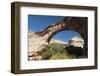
<point x="38" y="40"/>
<point x="36" y="43"/>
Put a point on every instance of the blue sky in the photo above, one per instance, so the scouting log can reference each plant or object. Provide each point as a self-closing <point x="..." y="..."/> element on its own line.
<point x="39" y="22"/>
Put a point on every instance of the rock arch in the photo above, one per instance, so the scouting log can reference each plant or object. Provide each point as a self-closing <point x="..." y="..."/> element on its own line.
<point x="78" y="24"/>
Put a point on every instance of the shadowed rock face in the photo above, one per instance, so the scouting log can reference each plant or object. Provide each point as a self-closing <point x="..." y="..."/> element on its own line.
<point x="39" y="40"/>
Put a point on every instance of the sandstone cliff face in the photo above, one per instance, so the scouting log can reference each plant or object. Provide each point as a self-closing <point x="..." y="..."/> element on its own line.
<point x="36" y="43"/>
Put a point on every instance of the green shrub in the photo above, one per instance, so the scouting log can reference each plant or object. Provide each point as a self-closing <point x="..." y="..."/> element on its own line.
<point x="58" y="51"/>
<point x="55" y="51"/>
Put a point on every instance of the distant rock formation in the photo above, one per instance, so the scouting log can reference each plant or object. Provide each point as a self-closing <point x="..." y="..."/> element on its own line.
<point x="76" y="42"/>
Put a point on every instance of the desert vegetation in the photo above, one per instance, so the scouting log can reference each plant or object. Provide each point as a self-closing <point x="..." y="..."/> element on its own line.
<point x="58" y="51"/>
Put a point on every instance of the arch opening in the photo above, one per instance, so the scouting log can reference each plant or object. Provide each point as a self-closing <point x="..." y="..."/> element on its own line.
<point x="64" y="35"/>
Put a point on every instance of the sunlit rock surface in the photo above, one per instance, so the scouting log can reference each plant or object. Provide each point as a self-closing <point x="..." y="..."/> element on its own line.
<point x="76" y="42"/>
<point x="36" y="43"/>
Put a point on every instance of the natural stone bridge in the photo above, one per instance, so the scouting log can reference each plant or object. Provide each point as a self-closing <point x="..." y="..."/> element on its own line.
<point x="38" y="40"/>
